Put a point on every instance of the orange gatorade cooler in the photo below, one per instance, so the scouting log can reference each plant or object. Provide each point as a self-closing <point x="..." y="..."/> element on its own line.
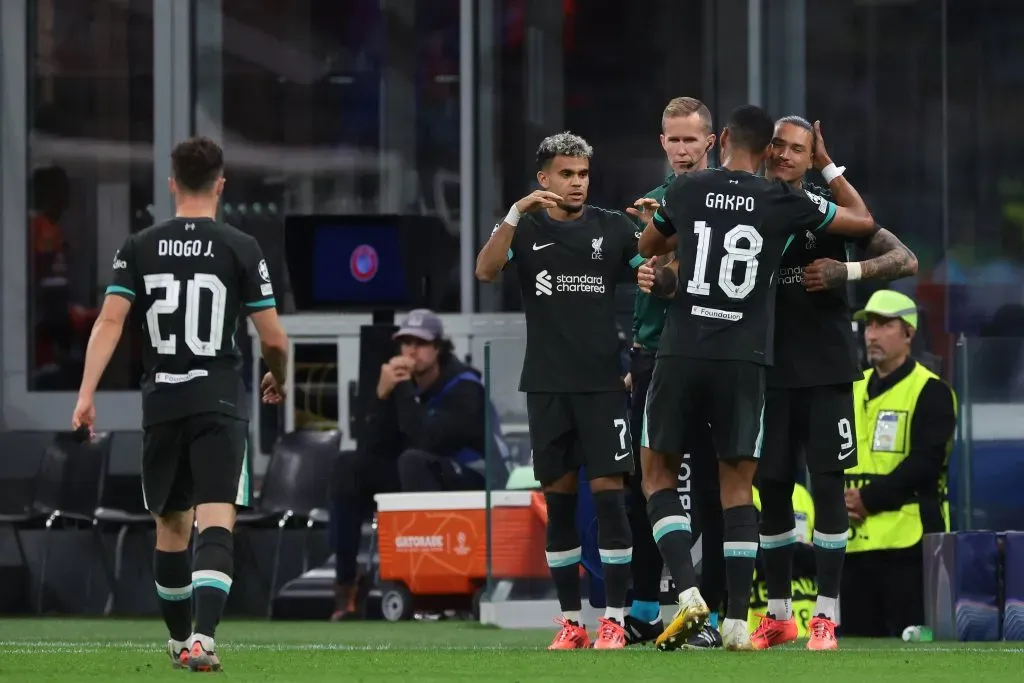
<point x="435" y="544"/>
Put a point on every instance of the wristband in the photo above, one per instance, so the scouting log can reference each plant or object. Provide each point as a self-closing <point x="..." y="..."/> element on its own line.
<point x="831" y="172"/>
<point x="853" y="271"/>
<point x="513" y="216"/>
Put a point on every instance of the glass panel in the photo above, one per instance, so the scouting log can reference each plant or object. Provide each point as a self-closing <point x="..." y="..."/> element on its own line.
<point x="566" y="66"/>
<point x="507" y="356"/>
<point x="988" y="467"/>
<point x="876" y="86"/>
<point x="521" y="574"/>
<point x="333" y="108"/>
<point x="91" y="174"/>
<point x="984" y="264"/>
<point x="316" y="386"/>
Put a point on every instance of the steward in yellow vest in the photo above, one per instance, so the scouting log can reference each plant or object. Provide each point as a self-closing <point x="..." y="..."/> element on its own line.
<point x="905" y="421"/>
<point x="804" y="586"/>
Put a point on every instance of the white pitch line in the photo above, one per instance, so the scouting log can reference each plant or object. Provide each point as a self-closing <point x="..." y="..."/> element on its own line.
<point x="77" y="647"/>
<point x="52" y="645"/>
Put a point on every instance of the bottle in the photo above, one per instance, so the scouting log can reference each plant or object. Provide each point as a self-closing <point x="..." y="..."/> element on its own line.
<point x="918" y="634"/>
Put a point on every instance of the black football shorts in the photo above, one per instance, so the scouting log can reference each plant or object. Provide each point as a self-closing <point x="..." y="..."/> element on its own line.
<point x="193" y="460"/>
<point x="573" y="430"/>
<point x="812" y="425"/>
<point x="727" y="395"/>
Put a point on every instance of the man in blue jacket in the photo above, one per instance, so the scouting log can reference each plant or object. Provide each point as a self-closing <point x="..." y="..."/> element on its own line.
<point x="425" y="431"/>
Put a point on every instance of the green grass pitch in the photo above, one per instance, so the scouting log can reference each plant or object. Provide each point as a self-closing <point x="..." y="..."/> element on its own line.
<point x="112" y="650"/>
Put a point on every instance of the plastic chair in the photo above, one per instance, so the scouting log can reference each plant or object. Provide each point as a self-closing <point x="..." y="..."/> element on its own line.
<point x="295" y="487"/>
<point x="20" y="455"/>
<point x="69" y="486"/>
<point x="130" y="514"/>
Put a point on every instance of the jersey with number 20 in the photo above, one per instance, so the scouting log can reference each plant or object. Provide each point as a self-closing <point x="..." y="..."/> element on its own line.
<point x="189" y="279"/>
<point x="732" y="228"/>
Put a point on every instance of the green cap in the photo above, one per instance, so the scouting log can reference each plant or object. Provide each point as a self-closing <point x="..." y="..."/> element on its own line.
<point x="887" y="303"/>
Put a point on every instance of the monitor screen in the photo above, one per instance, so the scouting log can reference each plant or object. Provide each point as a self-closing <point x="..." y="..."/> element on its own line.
<point x="358" y="262"/>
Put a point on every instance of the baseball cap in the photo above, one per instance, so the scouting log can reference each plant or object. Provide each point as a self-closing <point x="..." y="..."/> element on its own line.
<point x="421" y="323"/>
<point x="887" y="303"/>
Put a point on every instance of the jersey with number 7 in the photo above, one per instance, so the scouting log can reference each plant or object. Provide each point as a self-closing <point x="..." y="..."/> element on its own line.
<point x="732" y="228"/>
<point x="189" y="279"/>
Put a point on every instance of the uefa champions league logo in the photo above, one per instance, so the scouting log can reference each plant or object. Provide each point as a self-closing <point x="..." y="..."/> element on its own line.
<point x="363" y="263"/>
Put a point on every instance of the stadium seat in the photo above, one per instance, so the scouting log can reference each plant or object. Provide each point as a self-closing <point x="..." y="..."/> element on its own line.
<point x="122" y="505"/>
<point x="295" y="488"/>
<point x="20" y="455"/>
<point x="69" y="486"/>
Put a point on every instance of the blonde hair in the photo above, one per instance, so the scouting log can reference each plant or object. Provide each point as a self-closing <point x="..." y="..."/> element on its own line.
<point x="679" y="107"/>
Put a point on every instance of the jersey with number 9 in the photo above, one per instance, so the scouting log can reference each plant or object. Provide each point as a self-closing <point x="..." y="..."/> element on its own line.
<point x="732" y="228"/>
<point x="189" y="280"/>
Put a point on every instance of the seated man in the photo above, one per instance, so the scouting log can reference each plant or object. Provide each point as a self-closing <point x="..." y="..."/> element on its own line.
<point x="424" y="432"/>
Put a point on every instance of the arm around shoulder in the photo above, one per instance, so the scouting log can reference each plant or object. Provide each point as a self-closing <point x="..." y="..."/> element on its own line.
<point x="850" y="223"/>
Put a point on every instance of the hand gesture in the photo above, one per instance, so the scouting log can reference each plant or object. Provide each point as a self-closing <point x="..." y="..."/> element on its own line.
<point x="645" y="276"/>
<point x="855" y="509"/>
<point x="645" y="208"/>
<point x="819" y="155"/>
<point x="537" y="200"/>
<point x="273" y="393"/>
<point x="84" y="416"/>
<point x="396" y="370"/>
<point x="823" y="274"/>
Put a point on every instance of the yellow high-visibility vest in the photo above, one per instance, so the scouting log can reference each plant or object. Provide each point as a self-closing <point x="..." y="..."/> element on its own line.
<point x="883" y="442"/>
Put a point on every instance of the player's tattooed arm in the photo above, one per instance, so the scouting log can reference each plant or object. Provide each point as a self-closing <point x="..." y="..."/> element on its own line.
<point x="891" y="258"/>
<point x="825" y="273"/>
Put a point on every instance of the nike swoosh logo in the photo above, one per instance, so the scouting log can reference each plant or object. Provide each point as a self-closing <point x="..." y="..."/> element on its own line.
<point x="622" y="456"/>
<point x="543" y="246"/>
<point x="847" y="454"/>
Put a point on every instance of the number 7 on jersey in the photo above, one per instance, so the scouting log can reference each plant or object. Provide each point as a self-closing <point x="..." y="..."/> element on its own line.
<point x="734" y="254"/>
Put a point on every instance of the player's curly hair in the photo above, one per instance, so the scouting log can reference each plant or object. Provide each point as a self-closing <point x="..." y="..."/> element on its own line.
<point x="563" y="144"/>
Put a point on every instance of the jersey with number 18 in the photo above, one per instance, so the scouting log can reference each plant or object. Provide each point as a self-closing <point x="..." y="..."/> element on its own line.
<point x="732" y="228"/>
<point x="189" y="280"/>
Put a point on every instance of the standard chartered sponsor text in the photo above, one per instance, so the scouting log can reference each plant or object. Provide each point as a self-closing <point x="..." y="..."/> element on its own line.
<point x="791" y="276"/>
<point x="587" y="284"/>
